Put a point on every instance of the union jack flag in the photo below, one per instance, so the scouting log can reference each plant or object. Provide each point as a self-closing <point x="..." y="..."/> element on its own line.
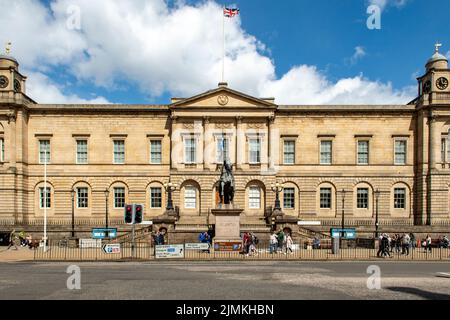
<point x="229" y="13"/>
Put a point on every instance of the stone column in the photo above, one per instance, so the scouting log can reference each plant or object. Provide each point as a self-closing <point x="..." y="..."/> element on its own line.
<point x="206" y="141"/>
<point x="240" y="143"/>
<point x="271" y="143"/>
<point x="431" y="141"/>
<point x="11" y="150"/>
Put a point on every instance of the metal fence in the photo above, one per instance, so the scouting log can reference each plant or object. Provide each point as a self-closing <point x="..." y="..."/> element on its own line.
<point x="145" y="251"/>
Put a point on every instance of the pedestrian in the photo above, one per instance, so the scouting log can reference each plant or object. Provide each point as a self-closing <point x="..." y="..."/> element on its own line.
<point x="13" y="240"/>
<point x="273" y="243"/>
<point x="246" y="243"/>
<point x="428" y="243"/>
<point x="316" y="242"/>
<point x="406" y="242"/>
<point x="280" y="236"/>
<point x="384" y="246"/>
<point x="413" y="243"/>
<point x="289" y="244"/>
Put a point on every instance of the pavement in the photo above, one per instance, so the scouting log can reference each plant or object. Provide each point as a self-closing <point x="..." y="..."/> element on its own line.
<point x="215" y="280"/>
<point x="22" y="254"/>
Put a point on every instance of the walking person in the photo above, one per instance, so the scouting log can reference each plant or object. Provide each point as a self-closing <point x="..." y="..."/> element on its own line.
<point x="406" y="242"/>
<point x="13" y="240"/>
<point x="289" y="244"/>
<point x="273" y="243"/>
<point x="428" y="243"/>
<point x="281" y="237"/>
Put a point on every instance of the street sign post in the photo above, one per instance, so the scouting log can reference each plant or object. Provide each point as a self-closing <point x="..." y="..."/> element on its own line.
<point x="111" y="248"/>
<point x="169" y="251"/>
<point x="103" y="233"/>
<point x="348" y="233"/>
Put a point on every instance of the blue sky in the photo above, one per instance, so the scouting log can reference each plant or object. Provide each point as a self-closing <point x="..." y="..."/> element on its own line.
<point x="312" y="41"/>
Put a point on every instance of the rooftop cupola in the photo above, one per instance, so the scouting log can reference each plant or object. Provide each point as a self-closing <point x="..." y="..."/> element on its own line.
<point x="437" y="60"/>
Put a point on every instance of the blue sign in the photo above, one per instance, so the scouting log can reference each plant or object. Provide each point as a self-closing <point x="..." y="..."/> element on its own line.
<point x="348" y="233"/>
<point x="104" y="233"/>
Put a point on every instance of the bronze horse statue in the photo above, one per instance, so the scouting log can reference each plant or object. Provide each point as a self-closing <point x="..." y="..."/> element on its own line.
<point x="226" y="183"/>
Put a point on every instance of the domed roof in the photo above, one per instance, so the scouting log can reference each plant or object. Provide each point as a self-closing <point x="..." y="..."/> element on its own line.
<point x="8" y="57"/>
<point x="437" y="57"/>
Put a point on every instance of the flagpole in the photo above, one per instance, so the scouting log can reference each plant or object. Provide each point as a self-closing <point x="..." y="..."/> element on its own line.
<point x="223" y="44"/>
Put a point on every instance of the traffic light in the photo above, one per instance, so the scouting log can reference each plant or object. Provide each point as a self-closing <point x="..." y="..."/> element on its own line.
<point x="128" y="214"/>
<point x="138" y="213"/>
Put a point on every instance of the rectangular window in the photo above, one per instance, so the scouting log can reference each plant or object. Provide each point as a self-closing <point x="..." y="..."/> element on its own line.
<point x="399" y="198"/>
<point x="223" y="149"/>
<point x="289" y="152"/>
<point x="119" y="197"/>
<point x="448" y="149"/>
<point x="400" y="152"/>
<point x="119" y="152"/>
<point x="254" y="198"/>
<point x="190" y="197"/>
<point x="82" y="198"/>
<point x="362" y="198"/>
<point x="254" y="151"/>
<point x="45" y="198"/>
<point x="289" y="198"/>
<point x="363" y="152"/>
<point x="326" y="152"/>
<point x="190" y="150"/>
<point x="2" y="150"/>
<point x="155" y="151"/>
<point x="325" y="198"/>
<point x="155" y="198"/>
<point x="443" y="149"/>
<point x="82" y="152"/>
<point x="44" y="151"/>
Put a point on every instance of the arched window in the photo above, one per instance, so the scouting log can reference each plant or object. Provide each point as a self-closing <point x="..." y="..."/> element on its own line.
<point x="326" y="200"/>
<point x="400" y="200"/>
<point x="190" y="197"/>
<point x="363" y="200"/>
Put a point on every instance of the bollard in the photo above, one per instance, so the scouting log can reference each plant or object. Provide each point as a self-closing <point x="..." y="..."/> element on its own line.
<point x="335" y="245"/>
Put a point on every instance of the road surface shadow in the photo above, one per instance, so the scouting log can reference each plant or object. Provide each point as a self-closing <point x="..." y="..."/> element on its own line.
<point x="421" y="293"/>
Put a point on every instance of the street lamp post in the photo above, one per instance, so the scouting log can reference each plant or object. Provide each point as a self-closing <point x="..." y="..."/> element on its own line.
<point x="72" y="194"/>
<point x="106" y="207"/>
<point x="277" y="188"/>
<point x="377" y="196"/>
<point x="170" y="187"/>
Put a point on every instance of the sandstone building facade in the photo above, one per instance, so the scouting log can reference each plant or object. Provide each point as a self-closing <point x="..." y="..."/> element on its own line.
<point x="368" y="163"/>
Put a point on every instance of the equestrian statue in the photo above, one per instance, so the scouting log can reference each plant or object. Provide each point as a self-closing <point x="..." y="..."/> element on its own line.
<point x="226" y="183"/>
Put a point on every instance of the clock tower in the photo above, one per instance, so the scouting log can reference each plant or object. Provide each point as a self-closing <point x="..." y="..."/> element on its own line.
<point x="433" y="151"/>
<point x="11" y="81"/>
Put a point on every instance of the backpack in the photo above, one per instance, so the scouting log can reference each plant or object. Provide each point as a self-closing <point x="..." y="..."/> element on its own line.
<point x="256" y="240"/>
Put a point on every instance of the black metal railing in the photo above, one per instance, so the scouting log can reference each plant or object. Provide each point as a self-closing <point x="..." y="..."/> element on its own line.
<point x="303" y="251"/>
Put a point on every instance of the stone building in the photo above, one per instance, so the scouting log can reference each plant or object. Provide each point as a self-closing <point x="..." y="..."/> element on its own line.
<point x="351" y="164"/>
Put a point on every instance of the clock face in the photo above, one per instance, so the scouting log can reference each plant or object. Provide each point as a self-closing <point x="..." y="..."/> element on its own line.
<point x="442" y="83"/>
<point x="427" y="87"/>
<point x="3" y="82"/>
<point x="16" y="85"/>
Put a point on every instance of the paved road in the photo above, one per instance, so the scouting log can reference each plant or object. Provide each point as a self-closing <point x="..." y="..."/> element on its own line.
<point x="221" y="280"/>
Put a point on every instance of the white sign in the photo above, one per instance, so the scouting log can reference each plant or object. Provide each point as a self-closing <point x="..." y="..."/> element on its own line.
<point x="196" y="246"/>
<point x="169" y="251"/>
<point x="309" y="223"/>
<point x="90" y="243"/>
<point x="111" y="248"/>
<point x="147" y="223"/>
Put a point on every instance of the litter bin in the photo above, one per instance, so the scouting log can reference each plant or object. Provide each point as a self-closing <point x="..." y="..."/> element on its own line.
<point x="335" y="245"/>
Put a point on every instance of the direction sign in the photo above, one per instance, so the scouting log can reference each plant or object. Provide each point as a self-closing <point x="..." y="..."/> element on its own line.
<point x="102" y="233"/>
<point x="111" y="248"/>
<point x="169" y="251"/>
<point x="349" y="233"/>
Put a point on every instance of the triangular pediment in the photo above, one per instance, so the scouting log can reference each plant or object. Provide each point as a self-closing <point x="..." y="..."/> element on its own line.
<point x="222" y="97"/>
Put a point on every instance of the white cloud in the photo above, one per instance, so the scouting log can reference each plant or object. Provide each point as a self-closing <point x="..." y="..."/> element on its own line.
<point x="384" y="3"/>
<point x="43" y="90"/>
<point x="359" y="53"/>
<point x="161" y="49"/>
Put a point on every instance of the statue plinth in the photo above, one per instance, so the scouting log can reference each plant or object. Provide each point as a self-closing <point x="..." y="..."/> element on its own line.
<point x="228" y="223"/>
